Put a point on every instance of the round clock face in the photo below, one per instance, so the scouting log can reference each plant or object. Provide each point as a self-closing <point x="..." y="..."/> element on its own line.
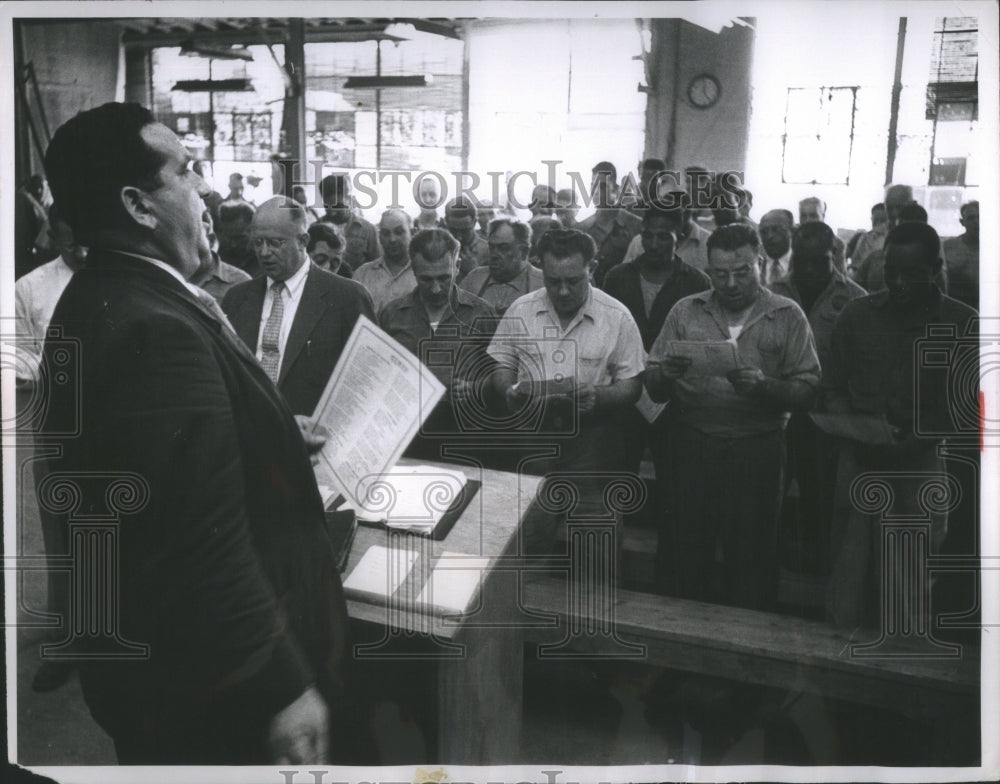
<point x="704" y="91"/>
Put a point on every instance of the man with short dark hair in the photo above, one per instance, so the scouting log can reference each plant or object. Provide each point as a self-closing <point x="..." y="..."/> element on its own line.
<point x="731" y="428"/>
<point x="224" y="568"/>
<point x="438" y="319"/>
<point x="875" y="370"/>
<point x="611" y="226"/>
<point x="362" y="239"/>
<point x="961" y="258"/>
<point x="460" y="221"/>
<point x="233" y="232"/>
<point x="326" y="248"/>
<point x="390" y="276"/>
<point x="822" y="292"/>
<point x="508" y="274"/>
<point x="870" y="241"/>
<point x="296" y="317"/>
<point x="692" y="239"/>
<point x="570" y="333"/>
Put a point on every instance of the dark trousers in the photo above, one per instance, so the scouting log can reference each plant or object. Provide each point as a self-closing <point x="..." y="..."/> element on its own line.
<point x="812" y="461"/>
<point x="723" y="529"/>
<point x="575" y="485"/>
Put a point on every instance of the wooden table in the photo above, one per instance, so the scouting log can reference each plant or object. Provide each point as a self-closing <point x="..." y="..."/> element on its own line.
<point x="473" y="663"/>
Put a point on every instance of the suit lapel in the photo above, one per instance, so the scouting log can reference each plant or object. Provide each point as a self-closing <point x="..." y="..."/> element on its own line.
<point x="311" y="307"/>
<point x="246" y="316"/>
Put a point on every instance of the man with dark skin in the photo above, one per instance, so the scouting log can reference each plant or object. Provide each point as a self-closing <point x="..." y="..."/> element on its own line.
<point x="875" y="369"/>
<point x="776" y="229"/>
<point x="649" y="287"/>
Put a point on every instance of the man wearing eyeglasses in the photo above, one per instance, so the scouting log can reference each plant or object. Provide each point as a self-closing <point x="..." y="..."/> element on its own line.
<point x="727" y="432"/>
<point x="296" y="318"/>
<point x="508" y="274"/>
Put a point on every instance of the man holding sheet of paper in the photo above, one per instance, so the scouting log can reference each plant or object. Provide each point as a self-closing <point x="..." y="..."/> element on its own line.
<point x="734" y="362"/>
<point x="573" y="340"/>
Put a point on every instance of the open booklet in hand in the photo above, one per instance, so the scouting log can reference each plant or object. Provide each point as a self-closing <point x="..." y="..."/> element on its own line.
<point x="377" y="397"/>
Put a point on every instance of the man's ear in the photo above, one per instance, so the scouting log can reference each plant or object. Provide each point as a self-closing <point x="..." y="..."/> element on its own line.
<point x="136" y="204"/>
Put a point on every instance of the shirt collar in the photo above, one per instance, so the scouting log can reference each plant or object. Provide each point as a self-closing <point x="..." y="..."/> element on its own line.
<point x="173" y="271"/>
<point x="586" y="309"/>
<point x="295" y="283"/>
<point x="380" y="264"/>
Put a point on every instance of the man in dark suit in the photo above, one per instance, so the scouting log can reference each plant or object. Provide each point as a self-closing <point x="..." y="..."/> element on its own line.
<point x="223" y="566"/>
<point x="296" y="317"/>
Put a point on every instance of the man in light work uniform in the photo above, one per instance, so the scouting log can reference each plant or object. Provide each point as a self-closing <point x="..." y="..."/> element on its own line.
<point x="727" y="438"/>
<point x="570" y="330"/>
<point x="390" y="276"/>
<point x="508" y="275"/>
<point x="822" y="292"/>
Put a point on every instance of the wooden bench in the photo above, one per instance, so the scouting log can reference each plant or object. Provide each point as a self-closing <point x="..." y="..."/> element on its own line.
<point x="765" y="648"/>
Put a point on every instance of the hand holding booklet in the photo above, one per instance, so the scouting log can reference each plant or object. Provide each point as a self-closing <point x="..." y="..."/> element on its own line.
<point x="708" y="357"/>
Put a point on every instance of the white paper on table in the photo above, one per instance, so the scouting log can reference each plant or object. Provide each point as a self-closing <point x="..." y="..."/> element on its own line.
<point x="377" y="397"/>
<point x="380" y="571"/>
<point x="412" y="497"/>
<point x="454" y="582"/>
<point x="649" y="409"/>
<point x="708" y="357"/>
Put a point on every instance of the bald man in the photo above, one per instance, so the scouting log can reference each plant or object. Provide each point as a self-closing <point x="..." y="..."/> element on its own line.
<point x="390" y="276"/>
<point x="297" y="317"/>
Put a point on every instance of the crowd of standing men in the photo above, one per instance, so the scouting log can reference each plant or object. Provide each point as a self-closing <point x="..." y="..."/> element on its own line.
<point x="210" y="327"/>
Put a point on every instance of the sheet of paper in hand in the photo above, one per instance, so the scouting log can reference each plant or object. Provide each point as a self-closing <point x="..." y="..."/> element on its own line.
<point x="708" y="357"/>
<point x="373" y="405"/>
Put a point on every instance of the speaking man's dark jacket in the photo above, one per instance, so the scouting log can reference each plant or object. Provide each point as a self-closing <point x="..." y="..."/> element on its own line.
<point x="327" y="313"/>
<point x="224" y="568"/>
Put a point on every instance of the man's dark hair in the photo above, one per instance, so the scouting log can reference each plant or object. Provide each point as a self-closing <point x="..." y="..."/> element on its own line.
<point x="563" y="243"/>
<point x="234" y="210"/>
<point x="967" y="206"/>
<point x="323" y="232"/>
<point x="334" y="185"/>
<point x="522" y="231"/>
<point x="880" y="207"/>
<point x="674" y="215"/>
<point x="92" y="157"/>
<point x="733" y="236"/>
<point x="605" y="167"/>
<point x="815" y="236"/>
<point x="921" y="235"/>
<point x="653" y="163"/>
<point x="461" y="208"/>
<point x="912" y="213"/>
<point x="432" y="244"/>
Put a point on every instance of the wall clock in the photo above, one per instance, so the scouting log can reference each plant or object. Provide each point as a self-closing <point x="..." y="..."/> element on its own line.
<point x="704" y="91"/>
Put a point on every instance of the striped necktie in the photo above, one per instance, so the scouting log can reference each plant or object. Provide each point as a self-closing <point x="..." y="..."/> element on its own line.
<point x="270" y="352"/>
